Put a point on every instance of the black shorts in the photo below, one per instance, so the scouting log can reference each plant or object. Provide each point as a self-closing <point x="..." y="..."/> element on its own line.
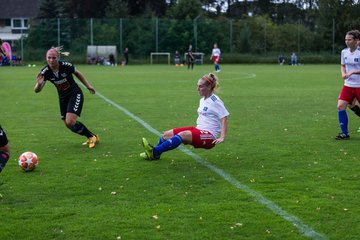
<point x="71" y="104"/>
<point x="3" y="138"/>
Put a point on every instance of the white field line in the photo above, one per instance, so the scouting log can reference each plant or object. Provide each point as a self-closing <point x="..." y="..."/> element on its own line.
<point x="302" y="227"/>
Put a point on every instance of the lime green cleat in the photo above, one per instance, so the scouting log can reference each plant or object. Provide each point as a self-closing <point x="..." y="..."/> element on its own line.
<point x="144" y="156"/>
<point x="148" y="149"/>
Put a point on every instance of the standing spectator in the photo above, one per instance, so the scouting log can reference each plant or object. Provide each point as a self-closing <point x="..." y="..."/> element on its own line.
<point x="350" y="72"/>
<point x="293" y="59"/>
<point x="126" y="56"/>
<point x="177" y="58"/>
<point x="112" y="59"/>
<point x="71" y="98"/>
<point x="281" y="59"/>
<point x="190" y="58"/>
<point x="215" y="56"/>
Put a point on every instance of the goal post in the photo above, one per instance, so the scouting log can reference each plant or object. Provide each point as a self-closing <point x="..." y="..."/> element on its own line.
<point x="167" y="54"/>
<point x="199" y="57"/>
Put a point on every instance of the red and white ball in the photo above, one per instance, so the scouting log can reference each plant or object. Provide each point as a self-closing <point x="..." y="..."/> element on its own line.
<point x="28" y="161"/>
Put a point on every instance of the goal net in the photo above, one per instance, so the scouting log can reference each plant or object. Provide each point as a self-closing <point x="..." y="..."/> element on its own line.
<point x="199" y="57"/>
<point x="160" y="57"/>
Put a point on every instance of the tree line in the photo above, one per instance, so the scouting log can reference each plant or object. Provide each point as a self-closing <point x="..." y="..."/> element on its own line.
<point x="240" y="26"/>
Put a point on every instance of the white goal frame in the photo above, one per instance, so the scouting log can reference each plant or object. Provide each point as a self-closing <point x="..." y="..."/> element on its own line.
<point x="198" y="60"/>
<point x="159" y="53"/>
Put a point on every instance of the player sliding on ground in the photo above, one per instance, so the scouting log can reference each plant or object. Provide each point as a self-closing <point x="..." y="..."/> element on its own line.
<point x="211" y="124"/>
<point x="71" y="98"/>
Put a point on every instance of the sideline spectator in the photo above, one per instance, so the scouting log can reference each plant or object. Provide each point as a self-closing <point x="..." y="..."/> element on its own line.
<point x="293" y="59"/>
<point x="177" y="59"/>
<point x="126" y="56"/>
<point x="281" y="59"/>
<point x="112" y="59"/>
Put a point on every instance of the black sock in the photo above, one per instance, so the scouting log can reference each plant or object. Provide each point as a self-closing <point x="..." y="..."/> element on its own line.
<point x="81" y="129"/>
<point x="356" y="110"/>
<point x="4" y="157"/>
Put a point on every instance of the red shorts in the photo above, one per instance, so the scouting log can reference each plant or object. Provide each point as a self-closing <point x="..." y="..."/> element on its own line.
<point x="348" y="94"/>
<point x="200" y="138"/>
<point x="216" y="59"/>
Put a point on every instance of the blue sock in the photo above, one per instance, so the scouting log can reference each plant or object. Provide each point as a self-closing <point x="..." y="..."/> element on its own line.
<point x="161" y="140"/>
<point x="169" y="144"/>
<point x="343" y="121"/>
<point x="217" y="67"/>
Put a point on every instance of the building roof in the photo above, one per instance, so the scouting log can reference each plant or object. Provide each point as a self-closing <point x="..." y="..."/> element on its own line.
<point x="19" y="8"/>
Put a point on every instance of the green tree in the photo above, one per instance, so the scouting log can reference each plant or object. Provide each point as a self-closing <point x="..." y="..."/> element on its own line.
<point x="50" y="9"/>
<point x="117" y="9"/>
<point x="186" y="9"/>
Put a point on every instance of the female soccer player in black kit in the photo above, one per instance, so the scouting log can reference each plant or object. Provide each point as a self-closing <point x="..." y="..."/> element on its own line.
<point x="71" y="98"/>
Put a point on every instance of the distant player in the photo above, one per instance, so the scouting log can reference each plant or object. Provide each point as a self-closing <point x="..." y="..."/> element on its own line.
<point x="190" y="58"/>
<point x="350" y="72"/>
<point x="210" y="129"/>
<point x="215" y="56"/>
<point x="71" y="97"/>
<point x="4" y="149"/>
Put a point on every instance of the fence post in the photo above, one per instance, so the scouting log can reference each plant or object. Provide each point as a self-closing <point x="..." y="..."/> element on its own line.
<point x="265" y="38"/>
<point x="299" y="21"/>
<point x="333" y="35"/>
<point x="91" y="32"/>
<point x="195" y="31"/>
<point x="121" y="36"/>
<point x="58" y="28"/>
<point x="157" y="34"/>
<point x="231" y="33"/>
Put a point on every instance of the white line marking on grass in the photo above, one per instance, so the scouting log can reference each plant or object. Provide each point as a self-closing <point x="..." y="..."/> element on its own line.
<point x="302" y="227"/>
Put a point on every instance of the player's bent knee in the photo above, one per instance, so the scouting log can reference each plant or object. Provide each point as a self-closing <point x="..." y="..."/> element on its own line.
<point x="186" y="136"/>
<point x="69" y="123"/>
<point x="168" y="134"/>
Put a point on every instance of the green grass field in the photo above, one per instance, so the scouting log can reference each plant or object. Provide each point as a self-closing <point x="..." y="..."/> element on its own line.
<point x="279" y="174"/>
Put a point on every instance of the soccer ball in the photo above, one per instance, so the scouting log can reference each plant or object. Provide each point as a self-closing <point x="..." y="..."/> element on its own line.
<point x="28" y="161"/>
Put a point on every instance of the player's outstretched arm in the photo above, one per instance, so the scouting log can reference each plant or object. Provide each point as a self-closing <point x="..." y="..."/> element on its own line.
<point x="39" y="83"/>
<point x="82" y="78"/>
<point x="224" y="124"/>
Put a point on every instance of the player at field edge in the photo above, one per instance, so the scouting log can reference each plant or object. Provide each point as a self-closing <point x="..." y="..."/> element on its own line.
<point x="350" y="72"/>
<point x="215" y="56"/>
<point x="190" y="58"/>
<point x="71" y="98"/>
<point x="211" y="124"/>
<point x="4" y="149"/>
<point x="355" y="107"/>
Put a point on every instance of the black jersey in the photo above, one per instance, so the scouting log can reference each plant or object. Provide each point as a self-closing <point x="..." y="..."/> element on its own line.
<point x="63" y="79"/>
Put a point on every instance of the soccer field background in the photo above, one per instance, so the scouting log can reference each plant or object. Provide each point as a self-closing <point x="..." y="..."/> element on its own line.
<point x="279" y="174"/>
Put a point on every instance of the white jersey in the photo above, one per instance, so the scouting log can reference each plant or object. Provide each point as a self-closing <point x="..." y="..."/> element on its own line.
<point x="351" y="60"/>
<point x="216" y="52"/>
<point x="211" y="111"/>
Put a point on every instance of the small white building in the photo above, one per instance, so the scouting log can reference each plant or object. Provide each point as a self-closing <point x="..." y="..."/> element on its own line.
<point x="15" y="18"/>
